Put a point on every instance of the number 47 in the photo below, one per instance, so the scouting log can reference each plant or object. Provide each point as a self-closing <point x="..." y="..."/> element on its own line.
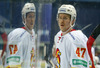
<point x="78" y="52"/>
<point x="13" y="49"/>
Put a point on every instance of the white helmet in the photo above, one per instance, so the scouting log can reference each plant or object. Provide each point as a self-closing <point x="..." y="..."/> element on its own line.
<point x="28" y="7"/>
<point x="67" y="9"/>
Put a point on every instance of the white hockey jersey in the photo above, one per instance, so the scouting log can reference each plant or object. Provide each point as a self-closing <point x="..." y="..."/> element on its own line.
<point x="71" y="50"/>
<point x="20" y="49"/>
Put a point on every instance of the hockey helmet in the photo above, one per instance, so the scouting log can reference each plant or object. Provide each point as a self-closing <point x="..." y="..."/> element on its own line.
<point x="28" y="7"/>
<point x="67" y="9"/>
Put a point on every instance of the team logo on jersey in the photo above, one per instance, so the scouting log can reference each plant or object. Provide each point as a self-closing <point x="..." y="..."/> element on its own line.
<point x="58" y="53"/>
<point x="32" y="57"/>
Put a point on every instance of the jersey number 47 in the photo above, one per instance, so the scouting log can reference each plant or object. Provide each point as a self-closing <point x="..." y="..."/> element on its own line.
<point x="13" y="49"/>
<point x="79" y="51"/>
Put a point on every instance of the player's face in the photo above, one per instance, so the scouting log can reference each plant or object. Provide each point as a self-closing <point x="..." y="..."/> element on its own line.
<point x="30" y="20"/>
<point x="64" y="21"/>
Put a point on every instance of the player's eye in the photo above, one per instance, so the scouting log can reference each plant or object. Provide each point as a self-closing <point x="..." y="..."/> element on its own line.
<point x="63" y="18"/>
<point x="31" y="16"/>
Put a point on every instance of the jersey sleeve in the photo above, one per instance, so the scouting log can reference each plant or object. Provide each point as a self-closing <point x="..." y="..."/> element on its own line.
<point x="14" y="51"/>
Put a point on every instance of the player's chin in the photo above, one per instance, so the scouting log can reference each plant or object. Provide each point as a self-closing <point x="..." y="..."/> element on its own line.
<point x="31" y="26"/>
<point x="61" y="28"/>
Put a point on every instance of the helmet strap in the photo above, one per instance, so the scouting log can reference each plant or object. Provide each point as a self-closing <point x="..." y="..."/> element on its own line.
<point x="67" y="30"/>
<point x="71" y="26"/>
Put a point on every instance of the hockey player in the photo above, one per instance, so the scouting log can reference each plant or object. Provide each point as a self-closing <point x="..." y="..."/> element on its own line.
<point x="71" y="45"/>
<point x="21" y="41"/>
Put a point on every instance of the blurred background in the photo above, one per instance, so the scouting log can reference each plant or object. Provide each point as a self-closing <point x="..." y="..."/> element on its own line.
<point x="46" y="26"/>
